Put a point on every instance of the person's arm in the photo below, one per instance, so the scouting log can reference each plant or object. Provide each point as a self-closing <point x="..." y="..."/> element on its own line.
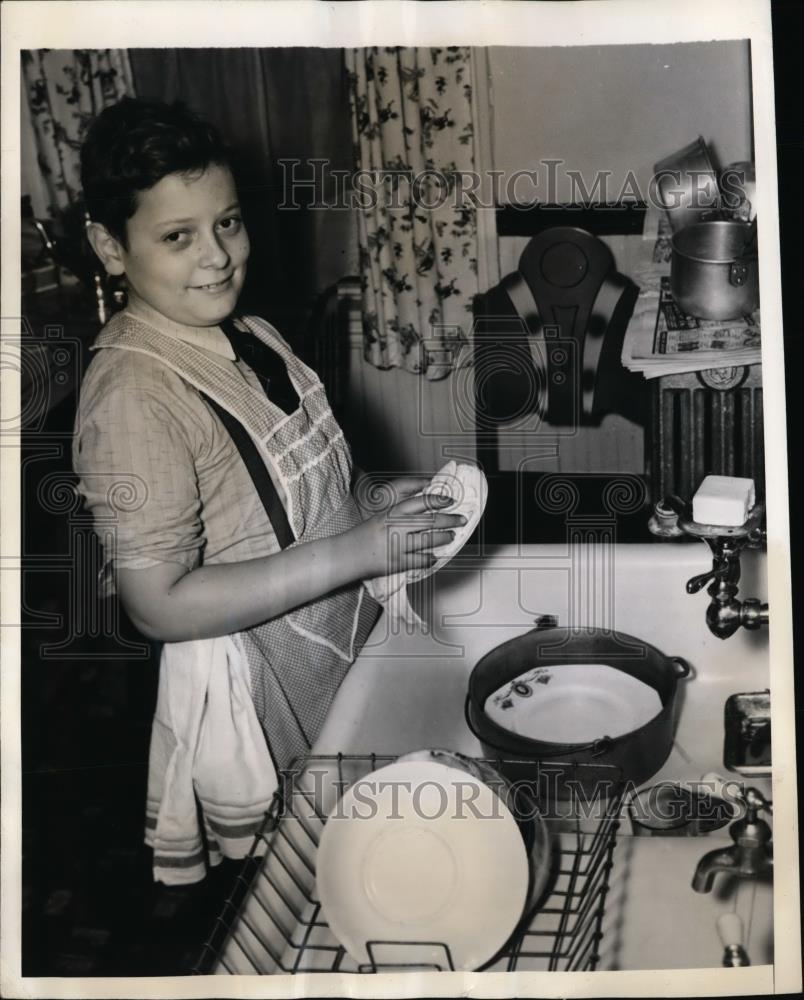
<point x="169" y="603"/>
<point x="144" y="434"/>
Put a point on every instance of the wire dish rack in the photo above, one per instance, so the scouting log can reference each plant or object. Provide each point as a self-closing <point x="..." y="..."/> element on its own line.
<point x="272" y="921"/>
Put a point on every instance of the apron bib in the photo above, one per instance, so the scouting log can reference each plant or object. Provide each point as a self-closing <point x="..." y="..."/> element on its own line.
<point x="298" y="660"/>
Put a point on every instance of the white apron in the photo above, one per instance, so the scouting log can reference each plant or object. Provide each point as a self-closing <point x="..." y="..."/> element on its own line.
<point x="295" y="663"/>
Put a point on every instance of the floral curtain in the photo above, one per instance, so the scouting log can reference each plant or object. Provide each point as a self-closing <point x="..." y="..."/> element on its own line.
<point x="65" y="89"/>
<point x="414" y="146"/>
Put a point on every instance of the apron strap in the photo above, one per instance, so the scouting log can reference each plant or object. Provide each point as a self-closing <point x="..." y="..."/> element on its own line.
<point x="260" y="476"/>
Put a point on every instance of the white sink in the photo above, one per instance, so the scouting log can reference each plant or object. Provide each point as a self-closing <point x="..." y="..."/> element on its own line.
<point x="406" y="691"/>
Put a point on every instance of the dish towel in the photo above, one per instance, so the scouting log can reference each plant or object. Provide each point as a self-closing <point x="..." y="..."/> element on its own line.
<point x="207" y="748"/>
<point x="467" y="484"/>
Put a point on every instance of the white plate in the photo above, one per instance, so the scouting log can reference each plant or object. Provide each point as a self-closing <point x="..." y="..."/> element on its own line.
<point x="421" y="852"/>
<point x="573" y="703"/>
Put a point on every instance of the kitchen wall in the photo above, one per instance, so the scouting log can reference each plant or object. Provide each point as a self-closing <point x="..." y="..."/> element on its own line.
<point x="616" y="107"/>
<point x="396" y="421"/>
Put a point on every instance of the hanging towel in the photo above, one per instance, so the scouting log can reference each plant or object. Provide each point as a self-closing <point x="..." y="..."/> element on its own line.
<point x="206" y="742"/>
<point x="468" y="487"/>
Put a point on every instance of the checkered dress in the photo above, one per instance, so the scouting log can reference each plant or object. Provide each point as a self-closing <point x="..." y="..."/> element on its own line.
<point x="296" y="661"/>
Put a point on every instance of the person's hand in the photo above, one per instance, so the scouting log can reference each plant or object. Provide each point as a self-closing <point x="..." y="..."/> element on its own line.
<point x="404" y="536"/>
<point x="376" y="495"/>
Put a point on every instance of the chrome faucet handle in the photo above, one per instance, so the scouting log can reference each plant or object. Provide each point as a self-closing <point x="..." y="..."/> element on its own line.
<point x="697" y="583"/>
<point x="756" y="801"/>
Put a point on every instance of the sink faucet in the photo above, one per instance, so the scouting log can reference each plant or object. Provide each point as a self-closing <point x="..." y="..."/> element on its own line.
<point x="751" y="854"/>
<point x="672" y="518"/>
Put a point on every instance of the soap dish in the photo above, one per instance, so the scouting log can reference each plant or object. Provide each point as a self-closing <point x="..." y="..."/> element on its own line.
<point x="747" y="744"/>
<point x="753" y="523"/>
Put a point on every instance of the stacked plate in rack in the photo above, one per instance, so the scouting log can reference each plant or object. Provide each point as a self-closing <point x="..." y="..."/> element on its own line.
<point x="424" y="863"/>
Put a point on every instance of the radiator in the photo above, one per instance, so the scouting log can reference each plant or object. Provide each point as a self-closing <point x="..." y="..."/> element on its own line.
<point x="701" y="428"/>
<point x="334" y="328"/>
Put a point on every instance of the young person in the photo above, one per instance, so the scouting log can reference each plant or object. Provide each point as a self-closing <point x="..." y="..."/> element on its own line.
<point x="191" y="544"/>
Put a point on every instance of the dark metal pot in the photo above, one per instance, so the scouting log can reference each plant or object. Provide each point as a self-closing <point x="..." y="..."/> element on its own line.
<point x="714" y="272"/>
<point x="559" y="770"/>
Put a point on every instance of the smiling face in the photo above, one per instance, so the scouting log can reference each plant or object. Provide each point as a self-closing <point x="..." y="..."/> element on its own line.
<point x="187" y="248"/>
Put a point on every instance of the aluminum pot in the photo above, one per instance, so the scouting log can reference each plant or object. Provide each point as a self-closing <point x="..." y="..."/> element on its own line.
<point x="560" y="770"/>
<point x="714" y="271"/>
<point x="687" y="184"/>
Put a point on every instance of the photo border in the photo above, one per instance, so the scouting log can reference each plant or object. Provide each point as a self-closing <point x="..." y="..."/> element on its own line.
<point x="257" y="23"/>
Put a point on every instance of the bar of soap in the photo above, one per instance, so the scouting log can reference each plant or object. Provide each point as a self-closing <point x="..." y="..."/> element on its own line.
<point x="723" y="500"/>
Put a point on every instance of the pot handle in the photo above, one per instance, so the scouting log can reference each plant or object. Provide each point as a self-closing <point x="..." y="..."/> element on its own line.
<point x="738" y="273"/>
<point x="681" y="668"/>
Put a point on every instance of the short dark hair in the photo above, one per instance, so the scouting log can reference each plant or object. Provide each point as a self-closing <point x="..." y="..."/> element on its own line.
<point x="132" y="145"/>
